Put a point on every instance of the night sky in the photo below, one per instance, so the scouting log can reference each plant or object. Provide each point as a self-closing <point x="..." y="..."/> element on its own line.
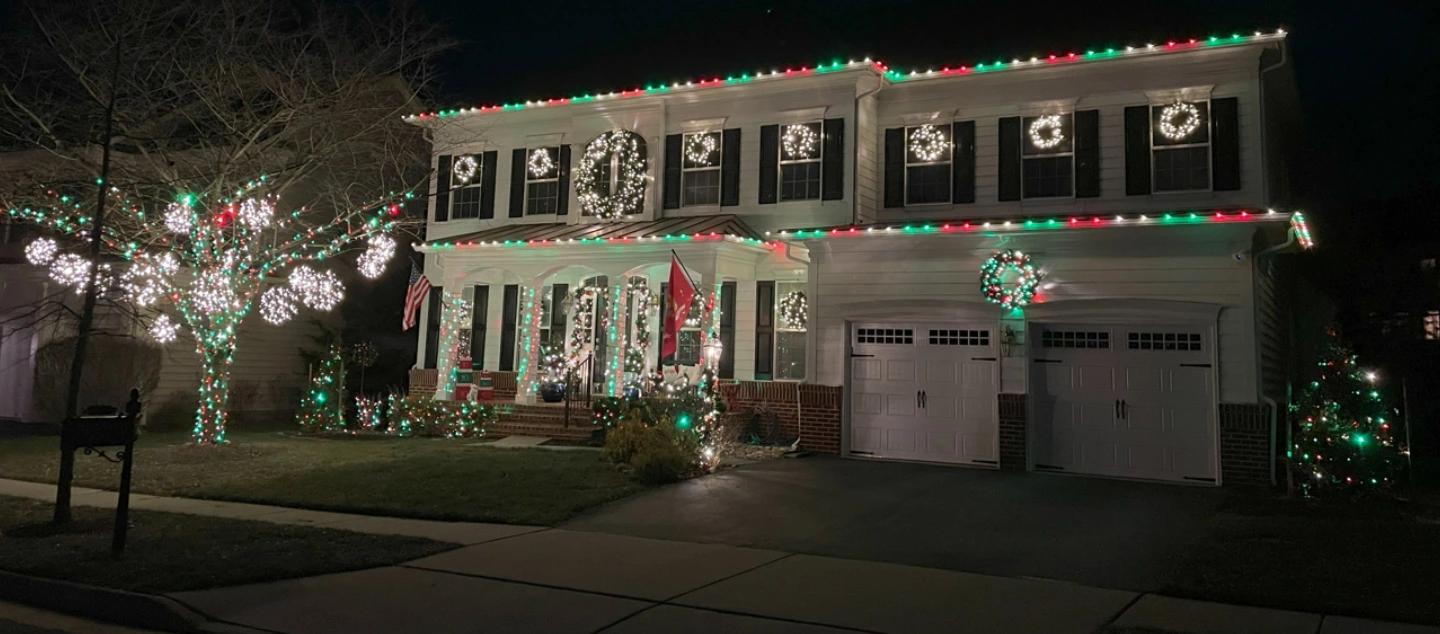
<point x="1366" y="70"/>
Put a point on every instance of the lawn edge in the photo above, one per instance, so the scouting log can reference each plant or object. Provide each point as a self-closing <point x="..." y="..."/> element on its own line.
<point x="110" y="605"/>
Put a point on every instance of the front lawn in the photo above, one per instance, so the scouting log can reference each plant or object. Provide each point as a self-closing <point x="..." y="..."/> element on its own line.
<point x="168" y="552"/>
<point x="461" y="480"/>
<point x="1370" y="559"/>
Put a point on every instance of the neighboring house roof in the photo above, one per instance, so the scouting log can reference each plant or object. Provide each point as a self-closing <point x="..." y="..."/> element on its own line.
<point x="663" y="229"/>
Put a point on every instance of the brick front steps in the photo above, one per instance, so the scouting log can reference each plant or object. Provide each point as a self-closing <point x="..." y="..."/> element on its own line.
<point x="543" y="420"/>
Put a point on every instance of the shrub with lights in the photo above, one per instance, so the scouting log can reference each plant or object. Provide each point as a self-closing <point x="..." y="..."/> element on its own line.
<point x="322" y="408"/>
<point x="206" y="261"/>
<point x="1343" y="441"/>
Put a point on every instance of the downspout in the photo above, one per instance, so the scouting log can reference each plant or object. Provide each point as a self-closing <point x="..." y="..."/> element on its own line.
<point x="1265" y="184"/>
<point x="1274" y="407"/>
<point x="810" y="285"/>
<point x="855" y="157"/>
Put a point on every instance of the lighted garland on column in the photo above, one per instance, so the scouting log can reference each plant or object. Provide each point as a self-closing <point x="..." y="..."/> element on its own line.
<point x="637" y="358"/>
<point x="454" y="317"/>
<point x="794" y="310"/>
<point x="527" y="374"/>
<point x="615" y="338"/>
<point x="992" y="282"/>
<point x="631" y="175"/>
<point x="231" y="241"/>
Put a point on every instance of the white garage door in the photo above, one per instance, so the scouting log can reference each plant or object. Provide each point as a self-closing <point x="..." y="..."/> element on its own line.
<point x="1134" y="402"/>
<point x="924" y="392"/>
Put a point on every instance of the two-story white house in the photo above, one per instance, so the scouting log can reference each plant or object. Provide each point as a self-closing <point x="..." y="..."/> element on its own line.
<point x="840" y="217"/>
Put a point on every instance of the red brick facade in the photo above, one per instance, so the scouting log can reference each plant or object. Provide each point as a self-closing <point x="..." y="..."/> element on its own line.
<point x="811" y="412"/>
<point x="423" y="383"/>
<point x="1245" y="444"/>
<point x="1012" y="432"/>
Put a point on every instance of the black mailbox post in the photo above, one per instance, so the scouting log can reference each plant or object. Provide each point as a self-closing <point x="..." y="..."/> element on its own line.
<point x="89" y="434"/>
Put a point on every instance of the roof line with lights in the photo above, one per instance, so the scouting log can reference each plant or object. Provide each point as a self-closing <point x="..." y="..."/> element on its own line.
<point x="712" y="236"/>
<point x="1172" y="46"/>
<point x="984" y="225"/>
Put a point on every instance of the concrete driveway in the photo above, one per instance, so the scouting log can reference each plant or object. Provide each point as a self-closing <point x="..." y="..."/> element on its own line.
<point x="1107" y="533"/>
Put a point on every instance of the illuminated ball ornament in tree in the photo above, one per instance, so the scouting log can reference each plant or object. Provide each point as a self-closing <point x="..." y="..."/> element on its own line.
<point x="372" y="261"/>
<point x="630" y="178"/>
<point x="1046" y="132"/>
<point x="466" y="168"/>
<point x="800" y="141"/>
<point x="179" y="218"/>
<point x="256" y="214"/>
<point x="540" y="162"/>
<point x="1009" y="262"/>
<point x="927" y="143"/>
<point x="164" y="330"/>
<point x="210" y="292"/>
<point x="145" y="283"/>
<point x="70" y="269"/>
<point x="1179" y="120"/>
<point x="277" y="305"/>
<point x="794" y="310"/>
<point x="320" y="291"/>
<point x="700" y="149"/>
<point x="41" y="252"/>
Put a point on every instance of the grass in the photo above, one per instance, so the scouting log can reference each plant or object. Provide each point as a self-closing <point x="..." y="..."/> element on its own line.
<point x="168" y="552"/>
<point x="1365" y="559"/>
<point x="457" y="480"/>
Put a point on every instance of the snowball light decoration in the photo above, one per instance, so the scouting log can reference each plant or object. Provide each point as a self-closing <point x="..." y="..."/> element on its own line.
<point x="794" y="310"/>
<point x="277" y="305"/>
<point x="144" y="283"/>
<point x="1047" y="132"/>
<point x="613" y="200"/>
<point x="164" y="330"/>
<point x="800" y="141"/>
<point x="466" y="168"/>
<point x="372" y="261"/>
<point x="1179" y="120"/>
<point x="179" y="218"/>
<point x="700" y="149"/>
<point x="540" y="162"/>
<point x="210" y="292"/>
<point x="70" y="269"/>
<point x="928" y="143"/>
<point x="255" y="213"/>
<point x="321" y="291"/>
<point x="41" y="252"/>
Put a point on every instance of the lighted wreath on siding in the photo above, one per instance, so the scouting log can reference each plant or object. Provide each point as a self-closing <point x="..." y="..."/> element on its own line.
<point x="627" y="150"/>
<point x="992" y="279"/>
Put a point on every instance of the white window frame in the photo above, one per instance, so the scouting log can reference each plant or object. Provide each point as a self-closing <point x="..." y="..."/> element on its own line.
<point x="1025" y="141"/>
<point x="1209" y="150"/>
<point x="780" y="165"/>
<point x="475" y="184"/>
<point x="783" y="288"/>
<point x="948" y="160"/>
<point x="719" y="162"/>
<point x="532" y="179"/>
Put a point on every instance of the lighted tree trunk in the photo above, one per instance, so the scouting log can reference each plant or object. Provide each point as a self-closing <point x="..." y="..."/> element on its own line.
<point x="216" y="357"/>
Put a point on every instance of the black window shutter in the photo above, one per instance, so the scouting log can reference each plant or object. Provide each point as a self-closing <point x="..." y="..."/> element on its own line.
<point x="832" y="178"/>
<point x="1009" y="184"/>
<point x="764" y="330"/>
<point x="481" y="300"/>
<point x="432" y="327"/>
<point x="509" y="307"/>
<point x="517" y="184"/>
<point x="1137" y="151"/>
<point x="671" y="187"/>
<point x="769" y="164"/>
<point x="661" y="360"/>
<point x="730" y="168"/>
<point x="563" y="205"/>
<point x="1225" y="143"/>
<point x="488" y="163"/>
<point x="895" y="167"/>
<point x="1087" y="154"/>
<point x="727" y="330"/>
<point x="962" y="134"/>
<point x="442" y="188"/>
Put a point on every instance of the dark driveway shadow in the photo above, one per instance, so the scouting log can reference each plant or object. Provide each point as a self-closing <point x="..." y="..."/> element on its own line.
<point x="1108" y="533"/>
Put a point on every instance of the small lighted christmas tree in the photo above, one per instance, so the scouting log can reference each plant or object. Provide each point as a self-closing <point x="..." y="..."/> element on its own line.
<point x="322" y="408"/>
<point x="1342" y="427"/>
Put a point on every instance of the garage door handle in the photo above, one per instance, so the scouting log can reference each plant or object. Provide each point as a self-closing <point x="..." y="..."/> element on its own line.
<point x="1047" y="361"/>
<point x="982" y="358"/>
<point x="853" y="355"/>
<point x="1194" y="365"/>
<point x="1124" y="409"/>
<point x="1117" y="408"/>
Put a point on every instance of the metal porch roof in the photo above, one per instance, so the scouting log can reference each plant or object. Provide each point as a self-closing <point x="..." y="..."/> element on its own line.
<point x="725" y="225"/>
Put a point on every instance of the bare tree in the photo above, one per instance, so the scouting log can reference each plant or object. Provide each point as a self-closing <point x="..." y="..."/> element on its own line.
<point x="167" y="139"/>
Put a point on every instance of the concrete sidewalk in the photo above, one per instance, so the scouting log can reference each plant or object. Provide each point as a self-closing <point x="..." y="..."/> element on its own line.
<point x="534" y="579"/>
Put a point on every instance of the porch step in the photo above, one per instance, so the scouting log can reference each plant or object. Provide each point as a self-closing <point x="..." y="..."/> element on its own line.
<point x="543" y="420"/>
<point x="573" y="432"/>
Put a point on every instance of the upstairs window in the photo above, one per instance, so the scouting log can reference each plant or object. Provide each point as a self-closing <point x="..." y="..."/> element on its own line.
<point x="800" y="154"/>
<point x="1180" y="141"/>
<point x="1432" y="325"/>
<point x="542" y="181"/>
<point x="700" y="169"/>
<point x="466" y="172"/>
<point x="1048" y="147"/>
<point x="928" y="154"/>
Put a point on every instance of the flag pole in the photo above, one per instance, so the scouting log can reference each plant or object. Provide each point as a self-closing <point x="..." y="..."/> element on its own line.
<point x="684" y="270"/>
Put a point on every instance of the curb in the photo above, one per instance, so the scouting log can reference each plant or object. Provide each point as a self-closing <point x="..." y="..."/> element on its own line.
<point x="102" y="604"/>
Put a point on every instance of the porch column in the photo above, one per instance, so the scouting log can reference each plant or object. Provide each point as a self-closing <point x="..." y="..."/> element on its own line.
<point x="616" y="330"/>
<point x="710" y="324"/>
<point x="454" y="316"/>
<point x="527" y="371"/>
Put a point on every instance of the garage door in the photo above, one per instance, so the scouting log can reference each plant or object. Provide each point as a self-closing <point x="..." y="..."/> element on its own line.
<point x="1134" y="402"/>
<point x="923" y="392"/>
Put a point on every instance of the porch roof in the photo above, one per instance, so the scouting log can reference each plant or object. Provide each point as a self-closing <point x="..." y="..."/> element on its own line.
<point x="724" y="226"/>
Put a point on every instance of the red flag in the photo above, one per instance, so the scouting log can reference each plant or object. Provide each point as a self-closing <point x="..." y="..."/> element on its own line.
<point x="678" y="296"/>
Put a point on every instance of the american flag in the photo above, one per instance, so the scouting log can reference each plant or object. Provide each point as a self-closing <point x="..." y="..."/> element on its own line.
<point x="414" y="296"/>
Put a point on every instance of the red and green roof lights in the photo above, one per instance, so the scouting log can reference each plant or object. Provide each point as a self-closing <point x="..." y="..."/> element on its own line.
<point x="682" y="237"/>
<point x="885" y="71"/>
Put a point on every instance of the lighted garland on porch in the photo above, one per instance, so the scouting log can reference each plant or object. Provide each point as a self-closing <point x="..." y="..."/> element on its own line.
<point x="454" y="317"/>
<point x="631" y="175"/>
<point x="794" y="310"/>
<point x="992" y="282"/>
<point x="526" y="382"/>
<point x="636" y="356"/>
<point x="580" y="304"/>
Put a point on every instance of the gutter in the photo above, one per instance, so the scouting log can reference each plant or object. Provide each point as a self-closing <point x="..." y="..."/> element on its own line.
<point x="855" y="155"/>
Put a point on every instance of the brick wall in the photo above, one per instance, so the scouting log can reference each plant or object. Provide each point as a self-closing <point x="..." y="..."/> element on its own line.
<point x="423" y="383"/>
<point x="811" y="412"/>
<point x="1245" y="444"/>
<point x="1012" y="432"/>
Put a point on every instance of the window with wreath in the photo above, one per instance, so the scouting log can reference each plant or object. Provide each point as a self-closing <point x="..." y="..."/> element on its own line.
<point x="700" y="169"/>
<point x="928" y="153"/>
<point x="791" y="312"/>
<point x="465" y="176"/>
<point x="1048" y="155"/>
<point x="542" y="180"/>
<point x="1180" y="141"/>
<point x="800" y="153"/>
<point x="688" y="345"/>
